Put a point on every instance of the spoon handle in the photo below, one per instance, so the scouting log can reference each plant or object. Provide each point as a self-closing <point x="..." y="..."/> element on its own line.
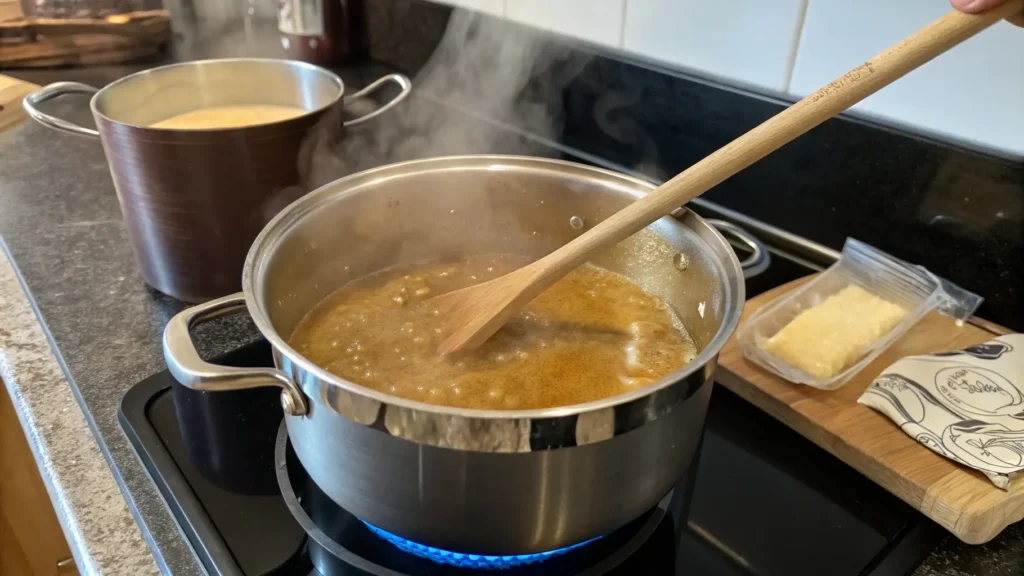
<point x="837" y="96"/>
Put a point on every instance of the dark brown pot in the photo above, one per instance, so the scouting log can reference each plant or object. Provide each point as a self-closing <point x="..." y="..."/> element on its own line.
<point x="194" y="200"/>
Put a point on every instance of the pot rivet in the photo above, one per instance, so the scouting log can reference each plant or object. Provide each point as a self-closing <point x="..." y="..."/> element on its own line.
<point x="576" y="222"/>
<point x="681" y="261"/>
<point x="287" y="404"/>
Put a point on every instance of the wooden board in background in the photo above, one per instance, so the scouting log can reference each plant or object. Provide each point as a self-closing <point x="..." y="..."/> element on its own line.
<point x="10" y="9"/>
<point x="41" y="42"/>
<point x="80" y="50"/>
<point x="11" y="94"/>
<point x="960" y="499"/>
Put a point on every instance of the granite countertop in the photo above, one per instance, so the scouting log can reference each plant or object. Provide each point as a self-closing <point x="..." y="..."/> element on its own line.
<point x="97" y="521"/>
<point x="63" y="233"/>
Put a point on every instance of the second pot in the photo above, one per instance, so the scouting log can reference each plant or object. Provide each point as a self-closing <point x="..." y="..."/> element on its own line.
<point x="194" y="200"/>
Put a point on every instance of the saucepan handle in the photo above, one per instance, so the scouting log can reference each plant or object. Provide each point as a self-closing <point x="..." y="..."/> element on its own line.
<point x="195" y="373"/>
<point x="50" y="92"/>
<point x="403" y="82"/>
<point x="759" y="258"/>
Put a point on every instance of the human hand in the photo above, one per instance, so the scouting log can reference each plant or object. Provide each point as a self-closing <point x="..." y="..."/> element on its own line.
<point x="975" y="6"/>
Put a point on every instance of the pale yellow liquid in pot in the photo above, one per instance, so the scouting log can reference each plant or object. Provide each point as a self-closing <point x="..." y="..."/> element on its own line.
<point x="592" y="335"/>
<point x="230" y="117"/>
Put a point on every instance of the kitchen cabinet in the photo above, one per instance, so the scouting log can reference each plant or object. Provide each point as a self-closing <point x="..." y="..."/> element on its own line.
<point x="31" y="540"/>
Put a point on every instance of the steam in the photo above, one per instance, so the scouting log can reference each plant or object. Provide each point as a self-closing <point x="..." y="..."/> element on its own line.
<point x="503" y="74"/>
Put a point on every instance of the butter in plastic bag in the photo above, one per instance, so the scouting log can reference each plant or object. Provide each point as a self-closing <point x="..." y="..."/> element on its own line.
<point x="824" y="332"/>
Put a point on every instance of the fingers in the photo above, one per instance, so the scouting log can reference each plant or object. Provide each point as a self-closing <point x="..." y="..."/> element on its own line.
<point x="975" y="6"/>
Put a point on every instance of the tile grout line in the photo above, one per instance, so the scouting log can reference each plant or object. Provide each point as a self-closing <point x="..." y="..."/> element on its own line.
<point x="795" y="50"/>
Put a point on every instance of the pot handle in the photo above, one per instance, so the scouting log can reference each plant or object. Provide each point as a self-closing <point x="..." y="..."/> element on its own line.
<point x="759" y="259"/>
<point x="50" y="92"/>
<point x="403" y="82"/>
<point x="193" y="372"/>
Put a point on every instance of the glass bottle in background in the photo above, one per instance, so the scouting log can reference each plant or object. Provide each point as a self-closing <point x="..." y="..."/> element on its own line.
<point x="322" y="32"/>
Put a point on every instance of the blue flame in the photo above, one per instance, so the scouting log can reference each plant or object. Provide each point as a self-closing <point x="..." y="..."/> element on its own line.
<point x="475" y="561"/>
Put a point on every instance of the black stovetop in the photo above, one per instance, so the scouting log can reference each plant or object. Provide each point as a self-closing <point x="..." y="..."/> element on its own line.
<point x="761" y="500"/>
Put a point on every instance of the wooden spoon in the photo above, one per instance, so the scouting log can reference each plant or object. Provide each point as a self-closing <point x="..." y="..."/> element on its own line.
<point x="479" y="311"/>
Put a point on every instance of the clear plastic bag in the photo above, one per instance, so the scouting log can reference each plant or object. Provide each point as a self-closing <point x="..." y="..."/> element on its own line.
<point x="913" y="288"/>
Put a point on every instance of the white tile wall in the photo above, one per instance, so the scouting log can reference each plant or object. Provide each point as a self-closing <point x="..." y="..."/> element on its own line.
<point x="597" y="21"/>
<point x="747" y="42"/>
<point x="973" y="93"/>
<point x="495" y="7"/>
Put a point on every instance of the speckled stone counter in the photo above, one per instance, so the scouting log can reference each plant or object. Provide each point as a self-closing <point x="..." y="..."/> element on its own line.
<point x="101" y="532"/>
<point x="1003" y="556"/>
<point x="61" y="222"/>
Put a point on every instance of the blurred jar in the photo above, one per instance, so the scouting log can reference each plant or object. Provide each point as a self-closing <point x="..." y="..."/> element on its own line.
<point x="322" y="32"/>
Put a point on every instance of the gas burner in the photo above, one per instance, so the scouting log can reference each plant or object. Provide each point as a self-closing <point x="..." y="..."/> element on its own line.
<point x="340" y="543"/>
<point x="474" y="561"/>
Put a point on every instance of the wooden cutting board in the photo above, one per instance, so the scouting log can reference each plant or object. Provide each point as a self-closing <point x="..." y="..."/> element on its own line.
<point x="12" y="92"/>
<point x="960" y="499"/>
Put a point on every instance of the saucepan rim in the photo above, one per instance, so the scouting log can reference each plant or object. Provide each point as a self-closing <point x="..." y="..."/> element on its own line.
<point x="331" y="76"/>
<point x="268" y="239"/>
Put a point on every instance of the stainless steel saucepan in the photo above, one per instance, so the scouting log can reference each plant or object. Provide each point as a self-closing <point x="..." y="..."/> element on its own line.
<point x="478" y="481"/>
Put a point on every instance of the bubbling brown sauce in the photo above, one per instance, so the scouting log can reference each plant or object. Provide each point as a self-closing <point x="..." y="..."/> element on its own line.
<point x="592" y="335"/>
